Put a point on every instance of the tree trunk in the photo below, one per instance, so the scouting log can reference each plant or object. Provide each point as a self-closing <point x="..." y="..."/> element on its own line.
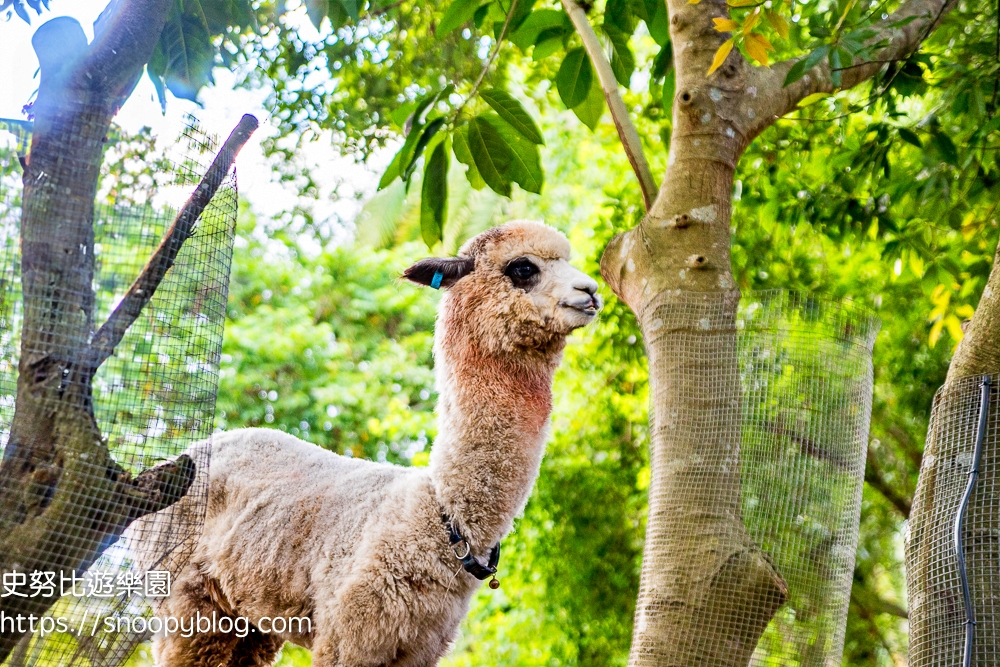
<point x="707" y="592"/>
<point x="937" y="610"/>
<point x="63" y="499"/>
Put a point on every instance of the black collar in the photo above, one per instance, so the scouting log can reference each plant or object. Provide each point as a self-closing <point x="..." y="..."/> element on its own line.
<point x="472" y="564"/>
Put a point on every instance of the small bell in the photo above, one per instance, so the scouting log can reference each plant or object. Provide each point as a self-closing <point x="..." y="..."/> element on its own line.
<point x="494" y="583"/>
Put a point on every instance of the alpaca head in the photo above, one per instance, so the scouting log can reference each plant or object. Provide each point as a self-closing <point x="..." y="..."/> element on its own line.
<point x="512" y="289"/>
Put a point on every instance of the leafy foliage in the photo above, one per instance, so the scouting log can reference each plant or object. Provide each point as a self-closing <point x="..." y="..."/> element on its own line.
<point x="885" y="194"/>
<point x="334" y="350"/>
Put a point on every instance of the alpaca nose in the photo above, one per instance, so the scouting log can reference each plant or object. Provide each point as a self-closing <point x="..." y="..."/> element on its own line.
<point x="589" y="285"/>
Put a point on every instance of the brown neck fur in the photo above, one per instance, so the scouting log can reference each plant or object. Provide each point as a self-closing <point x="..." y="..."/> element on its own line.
<point x="494" y="403"/>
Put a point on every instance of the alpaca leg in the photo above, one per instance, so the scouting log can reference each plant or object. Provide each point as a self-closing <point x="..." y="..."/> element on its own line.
<point x="369" y="629"/>
<point x="255" y="650"/>
<point x="426" y="653"/>
<point x="325" y="653"/>
<point x="188" y="600"/>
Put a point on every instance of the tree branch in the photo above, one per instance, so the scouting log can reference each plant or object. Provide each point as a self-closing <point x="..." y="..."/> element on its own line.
<point x="619" y="112"/>
<point x="142" y="290"/>
<point x="489" y="63"/>
<point x="875" y="478"/>
<point x="873" y="604"/>
<point x="903" y="41"/>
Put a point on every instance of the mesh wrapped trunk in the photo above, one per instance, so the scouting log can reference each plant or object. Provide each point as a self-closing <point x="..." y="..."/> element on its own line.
<point x="938" y="613"/>
<point x="762" y="413"/>
<point x="151" y="399"/>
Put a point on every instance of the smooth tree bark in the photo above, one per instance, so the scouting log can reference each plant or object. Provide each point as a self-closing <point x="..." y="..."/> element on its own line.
<point x="63" y="498"/>
<point x="707" y="592"/>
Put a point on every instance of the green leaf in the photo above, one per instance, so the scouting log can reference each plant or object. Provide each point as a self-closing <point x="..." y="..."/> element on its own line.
<point x="402" y="159"/>
<point x="156" y="69"/>
<point x="402" y="112"/>
<point x="618" y="14"/>
<point x="511" y="111"/>
<point x="799" y="69"/>
<point x="379" y="219"/>
<point x="550" y="41"/>
<point x="574" y="77"/>
<point x="985" y="130"/>
<point x="425" y="136"/>
<point x="946" y="147"/>
<point x="835" y="72"/>
<point x="337" y="15"/>
<point x="525" y="165"/>
<point x="352" y="7"/>
<point x="592" y="108"/>
<point x="317" y="10"/>
<point x="491" y="154"/>
<point x="407" y="154"/>
<point x="460" y="145"/>
<point x="910" y="137"/>
<point x="421" y="108"/>
<point x="622" y="60"/>
<point x="812" y="99"/>
<point x="434" y="195"/>
<point x="521" y="13"/>
<point x="664" y="61"/>
<point x="656" y="21"/>
<point x="669" y="90"/>
<point x="458" y="13"/>
<point x="538" y="21"/>
<point x="905" y="21"/>
<point x="392" y="171"/>
<point x="862" y="35"/>
<point x="222" y="14"/>
<point x="480" y="15"/>
<point x="639" y="9"/>
<point x="187" y="50"/>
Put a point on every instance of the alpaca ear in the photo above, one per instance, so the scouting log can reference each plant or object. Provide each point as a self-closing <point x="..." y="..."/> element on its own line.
<point x="439" y="271"/>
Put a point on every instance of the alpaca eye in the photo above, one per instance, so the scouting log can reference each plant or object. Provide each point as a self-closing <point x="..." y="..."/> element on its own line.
<point x="521" y="271"/>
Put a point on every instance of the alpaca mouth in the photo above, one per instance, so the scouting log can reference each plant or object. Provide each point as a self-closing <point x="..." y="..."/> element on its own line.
<point x="588" y="308"/>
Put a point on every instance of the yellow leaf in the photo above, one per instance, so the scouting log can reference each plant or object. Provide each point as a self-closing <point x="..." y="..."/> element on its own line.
<point x="720" y="55"/>
<point x="935" y="333"/>
<point x="970" y="227"/>
<point x="954" y="326"/>
<point x="725" y="25"/>
<point x="741" y="3"/>
<point x="812" y="99"/>
<point x="966" y="311"/>
<point x="757" y="47"/>
<point x="750" y="20"/>
<point x="778" y="22"/>
<point x="693" y="2"/>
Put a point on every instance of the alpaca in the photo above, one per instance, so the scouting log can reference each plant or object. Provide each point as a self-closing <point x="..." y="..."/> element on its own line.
<point x="371" y="552"/>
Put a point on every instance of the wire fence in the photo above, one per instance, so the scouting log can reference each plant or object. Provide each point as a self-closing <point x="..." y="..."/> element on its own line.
<point x="149" y="400"/>
<point x="758" y="465"/>
<point x="953" y="619"/>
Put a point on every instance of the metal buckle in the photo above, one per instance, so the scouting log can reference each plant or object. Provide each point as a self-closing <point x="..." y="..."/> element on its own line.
<point x="468" y="550"/>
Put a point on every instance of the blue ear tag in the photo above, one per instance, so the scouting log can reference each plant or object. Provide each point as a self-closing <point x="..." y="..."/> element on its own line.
<point x="436" y="280"/>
